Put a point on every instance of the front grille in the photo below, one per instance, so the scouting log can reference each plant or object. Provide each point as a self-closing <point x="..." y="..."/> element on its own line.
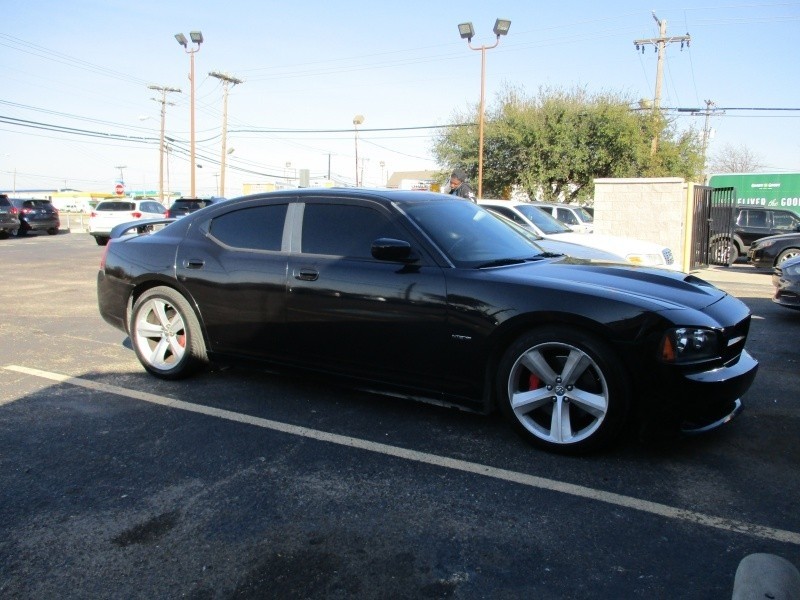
<point x="734" y="339"/>
<point x="668" y="258"/>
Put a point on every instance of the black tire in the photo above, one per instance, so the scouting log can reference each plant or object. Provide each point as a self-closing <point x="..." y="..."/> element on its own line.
<point x="52" y="231"/>
<point x="786" y="255"/>
<point x="166" y="335"/>
<point x="723" y="252"/>
<point x="563" y="390"/>
<point x="101" y="241"/>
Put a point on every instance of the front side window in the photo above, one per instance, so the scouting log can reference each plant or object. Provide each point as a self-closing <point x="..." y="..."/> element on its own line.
<point x="344" y="230"/>
<point x="781" y="220"/>
<point x="566" y="216"/>
<point x="253" y="228"/>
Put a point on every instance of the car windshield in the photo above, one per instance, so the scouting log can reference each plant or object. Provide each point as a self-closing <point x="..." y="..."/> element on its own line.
<point x="549" y="225"/>
<point x="469" y="235"/>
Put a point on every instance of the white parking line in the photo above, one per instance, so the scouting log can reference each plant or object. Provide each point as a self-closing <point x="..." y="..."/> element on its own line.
<point x="654" y="508"/>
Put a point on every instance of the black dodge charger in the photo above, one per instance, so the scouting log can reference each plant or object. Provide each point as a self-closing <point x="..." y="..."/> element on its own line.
<point x="427" y="297"/>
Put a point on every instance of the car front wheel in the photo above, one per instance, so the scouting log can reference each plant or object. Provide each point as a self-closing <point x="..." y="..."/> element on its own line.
<point x="787" y="254"/>
<point x="166" y="334"/>
<point x="563" y="390"/>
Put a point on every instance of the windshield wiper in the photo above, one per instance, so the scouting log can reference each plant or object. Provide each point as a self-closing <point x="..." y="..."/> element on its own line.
<point x="502" y="262"/>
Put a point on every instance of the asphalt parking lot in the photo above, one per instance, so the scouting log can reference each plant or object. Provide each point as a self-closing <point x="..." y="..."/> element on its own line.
<point x="243" y="484"/>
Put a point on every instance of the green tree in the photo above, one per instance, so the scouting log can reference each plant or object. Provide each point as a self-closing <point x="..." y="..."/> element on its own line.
<point x="553" y="145"/>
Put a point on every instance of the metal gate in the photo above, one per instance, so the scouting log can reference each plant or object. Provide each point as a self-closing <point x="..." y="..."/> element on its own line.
<point x="712" y="233"/>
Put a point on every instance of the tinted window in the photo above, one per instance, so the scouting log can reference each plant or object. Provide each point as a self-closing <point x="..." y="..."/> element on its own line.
<point x="756" y="218"/>
<point x="256" y="228"/>
<point x="783" y="220"/>
<point x="565" y="216"/>
<point x="152" y="207"/>
<point x="118" y="205"/>
<point x="343" y="230"/>
<point x="507" y="212"/>
<point x="544" y="221"/>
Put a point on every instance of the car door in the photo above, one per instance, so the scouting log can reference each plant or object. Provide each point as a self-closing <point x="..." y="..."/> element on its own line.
<point x="350" y="313"/>
<point x="234" y="266"/>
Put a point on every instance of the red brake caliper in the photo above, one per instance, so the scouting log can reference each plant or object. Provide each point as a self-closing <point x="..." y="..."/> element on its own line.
<point x="533" y="382"/>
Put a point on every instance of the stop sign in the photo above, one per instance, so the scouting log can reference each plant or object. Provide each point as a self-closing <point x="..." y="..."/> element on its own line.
<point x="119" y="189"/>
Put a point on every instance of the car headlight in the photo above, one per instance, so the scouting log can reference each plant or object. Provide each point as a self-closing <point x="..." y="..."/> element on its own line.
<point x="644" y="259"/>
<point x="792" y="270"/>
<point x="689" y="344"/>
<point x="761" y="245"/>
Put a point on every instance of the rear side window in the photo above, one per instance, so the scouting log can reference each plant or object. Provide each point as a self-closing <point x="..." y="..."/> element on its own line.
<point x="255" y="228"/>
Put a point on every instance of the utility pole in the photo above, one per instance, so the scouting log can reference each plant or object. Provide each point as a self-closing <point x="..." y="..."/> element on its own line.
<point x="710" y="110"/>
<point x="226" y="80"/>
<point x="163" y="100"/>
<point x="660" y="44"/>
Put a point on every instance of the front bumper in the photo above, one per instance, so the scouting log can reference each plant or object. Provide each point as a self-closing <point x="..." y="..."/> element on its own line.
<point x="702" y="401"/>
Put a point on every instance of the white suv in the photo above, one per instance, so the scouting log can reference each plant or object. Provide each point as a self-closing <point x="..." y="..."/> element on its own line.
<point x="637" y="252"/>
<point x="574" y="216"/>
<point x="110" y="213"/>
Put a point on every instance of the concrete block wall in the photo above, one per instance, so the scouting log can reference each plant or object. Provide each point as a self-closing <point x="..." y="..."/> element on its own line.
<point x="652" y="209"/>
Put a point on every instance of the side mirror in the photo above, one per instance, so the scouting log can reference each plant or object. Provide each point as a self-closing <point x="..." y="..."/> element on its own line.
<point x="392" y="250"/>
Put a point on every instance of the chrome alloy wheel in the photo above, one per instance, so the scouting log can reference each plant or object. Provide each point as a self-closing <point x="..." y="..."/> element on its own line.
<point x="159" y="333"/>
<point x="558" y="393"/>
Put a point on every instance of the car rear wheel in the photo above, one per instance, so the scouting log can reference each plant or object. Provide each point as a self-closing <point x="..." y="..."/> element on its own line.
<point x="723" y="252"/>
<point x="787" y="254"/>
<point x="563" y="390"/>
<point x="166" y="334"/>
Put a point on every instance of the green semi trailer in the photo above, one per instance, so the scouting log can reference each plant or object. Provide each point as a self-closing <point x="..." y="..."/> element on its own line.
<point x="775" y="190"/>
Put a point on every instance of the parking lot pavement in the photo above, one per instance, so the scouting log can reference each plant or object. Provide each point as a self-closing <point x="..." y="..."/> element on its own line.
<point x="247" y="484"/>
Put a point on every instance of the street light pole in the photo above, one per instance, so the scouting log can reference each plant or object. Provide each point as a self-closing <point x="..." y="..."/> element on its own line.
<point x="501" y="27"/>
<point x="163" y="101"/>
<point x="197" y="38"/>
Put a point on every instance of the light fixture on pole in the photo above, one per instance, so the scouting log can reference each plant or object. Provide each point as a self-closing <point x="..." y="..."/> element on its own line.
<point x="357" y="120"/>
<point x="163" y="101"/>
<point x="197" y="38"/>
<point x="467" y="32"/>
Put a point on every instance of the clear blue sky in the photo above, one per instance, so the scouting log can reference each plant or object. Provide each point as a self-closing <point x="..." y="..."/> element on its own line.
<point x="86" y="65"/>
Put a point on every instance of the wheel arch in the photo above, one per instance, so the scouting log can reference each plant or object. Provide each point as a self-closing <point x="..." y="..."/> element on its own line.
<point x="784" y="251"/>
<point x="148" y="284"/>
<point x="511" y="330"/>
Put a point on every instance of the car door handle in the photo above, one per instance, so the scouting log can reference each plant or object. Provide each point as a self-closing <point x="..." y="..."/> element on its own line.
<point x="194" y="263"/>
<point x="306" y="274"/>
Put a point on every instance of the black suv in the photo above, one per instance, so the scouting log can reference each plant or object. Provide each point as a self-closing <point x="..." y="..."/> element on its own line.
<point x="9" y="221"/>
<point x="184" y="206"/>
<point x="755" y="222"/>
<point x="36" y="215"/>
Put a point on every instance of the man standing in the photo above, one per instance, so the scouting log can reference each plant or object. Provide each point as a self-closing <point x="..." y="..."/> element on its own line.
<point x="459" y="186"/>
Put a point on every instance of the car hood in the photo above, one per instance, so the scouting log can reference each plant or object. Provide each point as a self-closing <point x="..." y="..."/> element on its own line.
<point x="791" y="237"/>
<point x="656" y="289"/>
<point x="609" y="243"/>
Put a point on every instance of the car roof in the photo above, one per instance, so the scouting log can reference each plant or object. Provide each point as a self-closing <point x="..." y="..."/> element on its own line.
<point x="376" y="194"/>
